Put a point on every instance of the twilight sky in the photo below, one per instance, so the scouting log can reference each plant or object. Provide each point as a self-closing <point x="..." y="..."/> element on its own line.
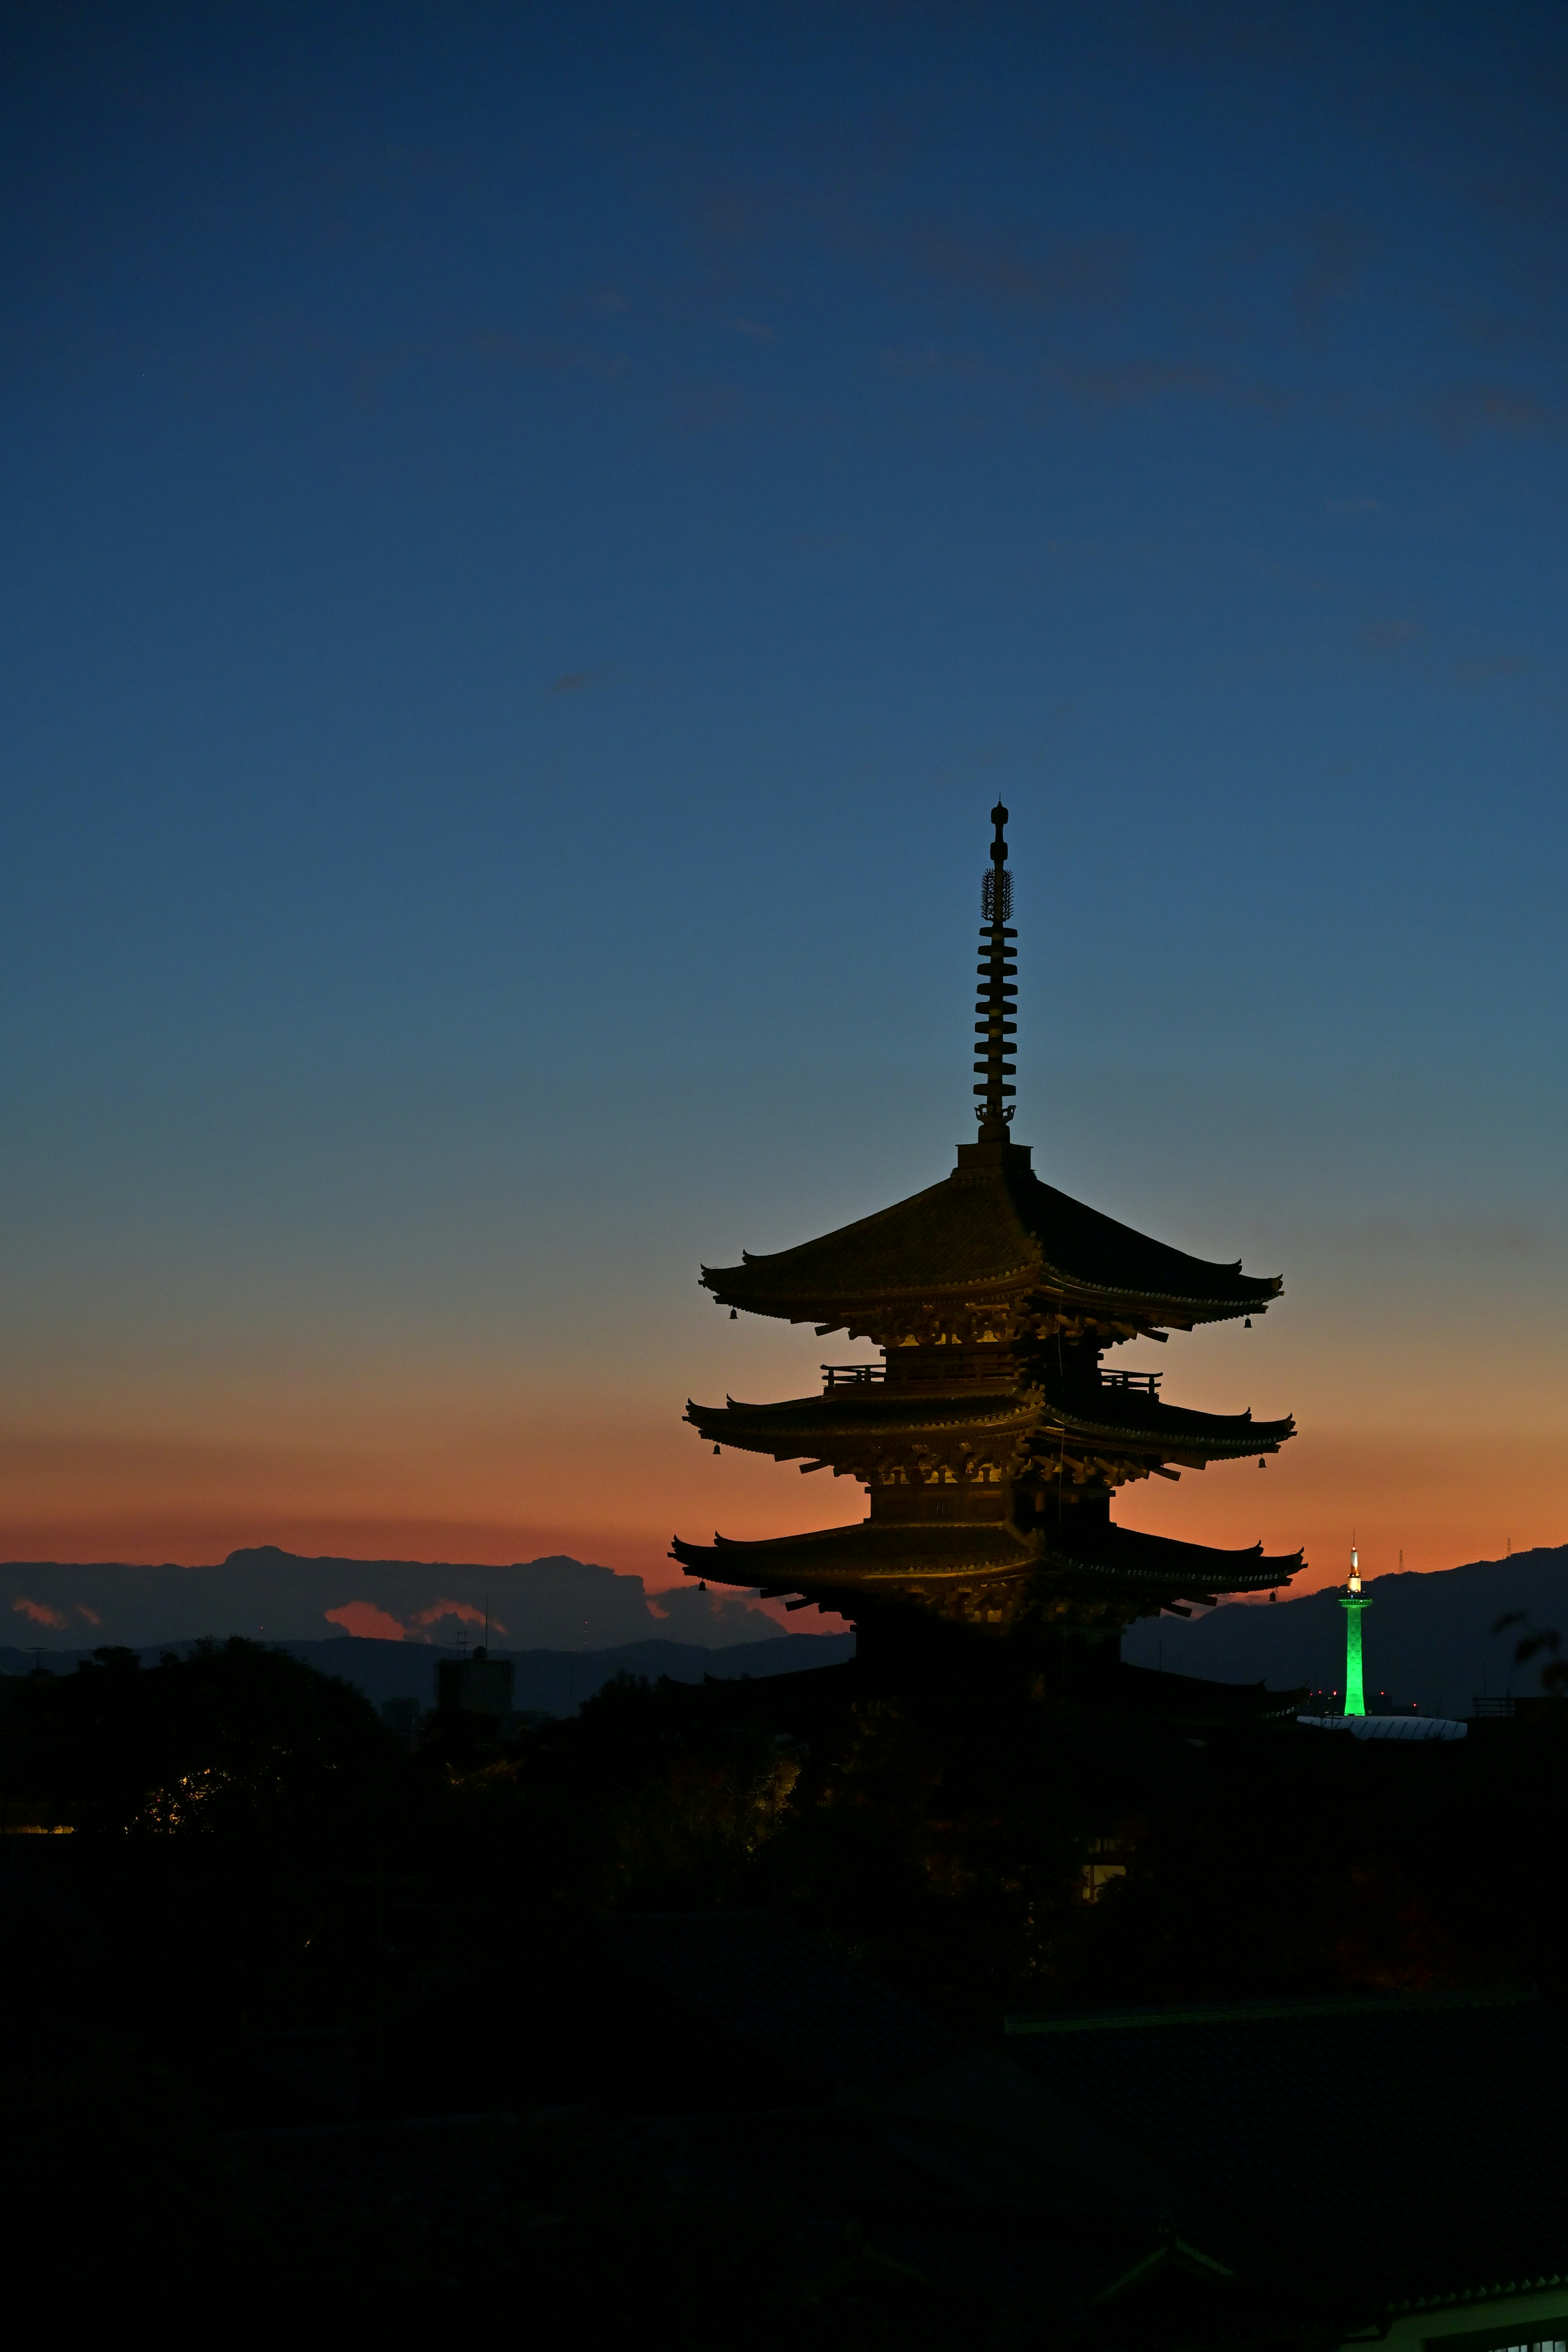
<point x="533" y="538"/>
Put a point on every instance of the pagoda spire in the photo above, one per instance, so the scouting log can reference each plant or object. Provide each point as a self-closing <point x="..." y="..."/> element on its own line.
<point x="995" y="1032"/>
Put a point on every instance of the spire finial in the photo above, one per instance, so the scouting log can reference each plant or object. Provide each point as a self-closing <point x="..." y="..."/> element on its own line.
<point x="994" y="1029"/>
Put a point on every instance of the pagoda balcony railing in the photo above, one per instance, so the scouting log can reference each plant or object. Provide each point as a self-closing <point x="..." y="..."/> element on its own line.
<point x="852" y="1376"/>
<point x="1144" y="1383"/>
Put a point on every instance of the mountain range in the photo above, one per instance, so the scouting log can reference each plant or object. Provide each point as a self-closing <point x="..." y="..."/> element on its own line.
<point x="269" y="1595"/>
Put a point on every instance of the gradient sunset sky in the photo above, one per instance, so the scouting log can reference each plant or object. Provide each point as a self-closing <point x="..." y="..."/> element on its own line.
<point x="533" y="536"/>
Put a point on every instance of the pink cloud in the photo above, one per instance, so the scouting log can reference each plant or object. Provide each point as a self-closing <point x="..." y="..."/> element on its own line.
<point x="39" y="1614"/>
<point x="90" y="1614"/>
<point x="365" y="1622"/>
<point x="460" y="1608"/>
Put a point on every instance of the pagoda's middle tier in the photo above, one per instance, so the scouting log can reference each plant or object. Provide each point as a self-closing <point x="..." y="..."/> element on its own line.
<point x="1008" y="1438"/>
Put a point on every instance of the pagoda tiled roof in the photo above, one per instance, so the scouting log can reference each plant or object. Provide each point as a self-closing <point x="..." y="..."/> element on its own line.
<point x="866" y="1552"/>
<point x="846" y="1415"/>
<point x="989" y="1228"/>
<point x="817" y="1424"/>
<point x="1129" y="1556"/>
<point x="1122" y="1414"/>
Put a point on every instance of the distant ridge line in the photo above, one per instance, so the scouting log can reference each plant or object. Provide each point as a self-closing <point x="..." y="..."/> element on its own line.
<point x="267" y="1593"/>
<point x="1430" y="1643"/>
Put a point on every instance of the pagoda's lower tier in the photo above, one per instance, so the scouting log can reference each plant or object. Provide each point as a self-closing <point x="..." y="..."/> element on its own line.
<point x="1081" y="1574"/>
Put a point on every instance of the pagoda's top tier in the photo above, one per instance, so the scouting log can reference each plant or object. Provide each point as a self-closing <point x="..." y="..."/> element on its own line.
<point x="992" y="1254"/>
<point x="995" y="1253"/>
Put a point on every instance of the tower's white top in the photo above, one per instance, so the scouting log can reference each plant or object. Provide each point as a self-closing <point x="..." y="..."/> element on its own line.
<point x="1355" y="1569"/>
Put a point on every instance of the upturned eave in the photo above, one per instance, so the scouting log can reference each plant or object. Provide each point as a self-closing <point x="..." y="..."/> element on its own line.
<point x="869" y="1557"/>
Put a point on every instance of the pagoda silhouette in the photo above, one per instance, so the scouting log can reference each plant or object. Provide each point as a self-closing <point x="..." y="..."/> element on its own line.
<point x="991" y="1436"/>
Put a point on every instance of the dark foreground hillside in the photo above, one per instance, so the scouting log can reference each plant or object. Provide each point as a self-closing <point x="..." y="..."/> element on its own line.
<point x="363" y="2026"/>
<point x="548" y="1682"/>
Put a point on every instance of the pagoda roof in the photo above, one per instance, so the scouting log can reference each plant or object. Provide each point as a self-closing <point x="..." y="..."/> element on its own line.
<point x="1123" y="1414"/>
<point x="868" y="1554"/>
<point x="991" y="1227"/>
<point x="865" y="1553"/>
<point x="847" y="1414"/>
<point x="1129" y="1555"/>
<point x="844" y="1416"/>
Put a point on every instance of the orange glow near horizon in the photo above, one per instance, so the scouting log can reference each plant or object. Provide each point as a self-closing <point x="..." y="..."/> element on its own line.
<point x="1437" y="1501"/>
<point x="477" y="1460"/>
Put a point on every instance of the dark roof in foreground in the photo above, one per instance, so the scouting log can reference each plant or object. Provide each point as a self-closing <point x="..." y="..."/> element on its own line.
<point x="1246" y="2174"/>
<point x="1403" y="2150"/>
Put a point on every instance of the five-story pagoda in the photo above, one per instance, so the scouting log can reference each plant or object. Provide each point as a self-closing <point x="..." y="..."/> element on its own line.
<point x="992" y="1435"/>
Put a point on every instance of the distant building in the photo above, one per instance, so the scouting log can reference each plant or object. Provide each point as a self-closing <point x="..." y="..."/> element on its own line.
<point x="476" y="1685"/>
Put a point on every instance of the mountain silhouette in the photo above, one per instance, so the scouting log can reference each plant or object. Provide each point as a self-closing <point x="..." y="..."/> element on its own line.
<point x="1428" y="1638"/>
<point x="557" y="1604"/>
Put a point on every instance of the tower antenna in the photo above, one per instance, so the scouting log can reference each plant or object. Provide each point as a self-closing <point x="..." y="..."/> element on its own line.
<point x="995" y="1031"/>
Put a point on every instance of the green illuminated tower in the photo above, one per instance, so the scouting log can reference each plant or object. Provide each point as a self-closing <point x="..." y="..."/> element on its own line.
<point x="1353" y="1601"/>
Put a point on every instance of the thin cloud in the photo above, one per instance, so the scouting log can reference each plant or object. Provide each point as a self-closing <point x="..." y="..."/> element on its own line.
<point x="365" y="1622"/>
<point x="462" y="1610"/>
<point x="755" y="328"/>
<point x="498" y="347"/>
<point x="41" y="1615"/>
<point x="1355" y="506"/>
<point x="572" y="681"/>
<point x="1462" y="410"/>
<point x="1005" y="274"/>
<point x="1479" y="1236"/>
<point x="1336" y="253"/>
<point x="1471" y="668"/>
<point x="1391" y="636"/>
<point x="1137" y="384"/>
<point x="1007" y="270"/>
<point x="1487" y="669"/>
<point x="965" y="366"/>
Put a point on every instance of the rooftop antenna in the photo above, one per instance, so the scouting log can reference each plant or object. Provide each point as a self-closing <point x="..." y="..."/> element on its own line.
<point x="995" y="1031"/>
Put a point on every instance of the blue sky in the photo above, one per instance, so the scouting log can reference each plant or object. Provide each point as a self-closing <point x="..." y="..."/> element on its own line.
<point x="533" y="540"/>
